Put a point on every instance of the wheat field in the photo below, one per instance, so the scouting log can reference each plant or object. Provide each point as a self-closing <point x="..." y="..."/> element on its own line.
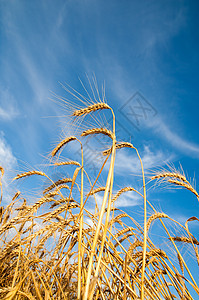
<point x="59" y="248"/>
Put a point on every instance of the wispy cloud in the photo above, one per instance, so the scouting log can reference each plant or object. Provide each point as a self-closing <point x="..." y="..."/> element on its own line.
<point x="162" y="26"/>
<point x="182" y="218"/>
<point x="152" y="32"/>
<point x="128" y="199"/>
<point x="8" y="106"/>
<point x="174" y="139"/>
<point x="5" y="114"/>
<point x="180" y="143"/>
<point x="28" y="54"/>
<point x="130" y="163"/>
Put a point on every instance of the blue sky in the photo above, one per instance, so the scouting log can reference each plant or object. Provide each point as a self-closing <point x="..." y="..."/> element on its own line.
<point x="146" y="52"/>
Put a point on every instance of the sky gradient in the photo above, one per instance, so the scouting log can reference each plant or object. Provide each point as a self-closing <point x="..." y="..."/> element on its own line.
<point x="146" y="52"/>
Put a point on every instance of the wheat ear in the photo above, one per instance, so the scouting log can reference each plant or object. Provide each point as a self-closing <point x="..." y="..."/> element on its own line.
<point x="126" y="189"/>
<point x="55" y="184"/>
<point x="170" y="174"/>
<point x="2" y="170"/>
<point x="185" y="240"/>
<point x="62" y="143"/>
<point x="30" y="173"/>
<point x="91" y="108"/>
<point x="185" y="185"/>
<point x="154" y="217"/>
<point x="97" y="190"/>
<point x="97" y="131"/>
<point x="66" y="163"/>
<point x="118" y="146"/>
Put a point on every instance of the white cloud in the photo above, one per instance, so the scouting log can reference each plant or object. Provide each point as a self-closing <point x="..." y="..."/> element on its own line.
<point x="8" y="107"/>
<point x="174" y="139"/>
<point x="130" y="163"/>
<point x="5" y="115"/>
<point x="35" y="79"/>
<point x="179" y="142"/>
<point x="128" y="199"/>
<point x="31" y="69"/>
<point x="8" y="161"/>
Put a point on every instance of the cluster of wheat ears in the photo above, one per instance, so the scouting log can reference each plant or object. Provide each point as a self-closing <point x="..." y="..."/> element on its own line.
<point x="71" y="252"/>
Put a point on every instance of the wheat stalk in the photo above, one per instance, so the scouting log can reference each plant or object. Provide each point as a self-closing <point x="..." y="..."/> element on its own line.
<point x="69" y="248"/>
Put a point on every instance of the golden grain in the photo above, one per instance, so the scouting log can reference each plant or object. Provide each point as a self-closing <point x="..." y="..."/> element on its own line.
<point x="62" y="143"/>
<point x="97" y="190"/>
<point x="170" y="174"/>
<point x="185" y="185"/>
<point x="118" y="146"/>
<point x="30" y="173"/>
<point x="154" y="217"/>
<point x="65" y="163"/>
<point x="56" y="184"/>
<point x="185" y="240"/>
<point x="91" y="108"/>
<point x="66" y="246"/>
<point x="97" y="131"/>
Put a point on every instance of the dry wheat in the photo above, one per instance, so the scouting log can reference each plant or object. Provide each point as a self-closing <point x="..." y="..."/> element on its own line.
<point x="154" y="217"/>
<point x="56" y="184"/>
<point x="62" y="143"/>
<point x="91" y="108"/>
<point x="30" y="173"/>
<point x="185" y="185"/>
<point x="65" y="163"/>
<point x="97" y="131"/>
<point x="118" y="146"/>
